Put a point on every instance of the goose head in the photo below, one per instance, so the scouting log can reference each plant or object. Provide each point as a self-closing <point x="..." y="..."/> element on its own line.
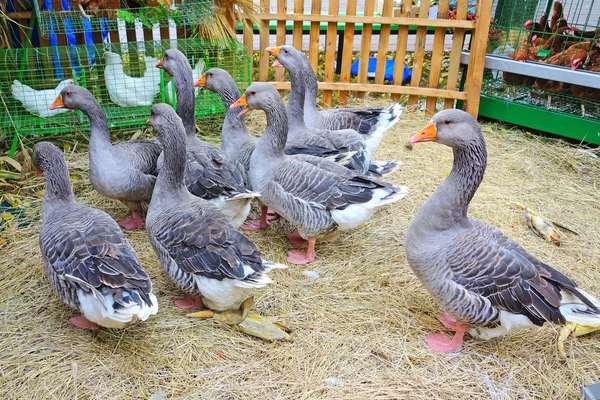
<point x="172" y="61"/>
<point x="74" y="98"/>
<point x="259" y="96"/>
<point x="45" y="156"/>
<point x="287" y="56"/>
<point x="453" y="128"/>
<point x="213" y="79"/>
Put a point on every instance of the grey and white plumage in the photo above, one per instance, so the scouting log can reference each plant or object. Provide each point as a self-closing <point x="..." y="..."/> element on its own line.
<point x="236" y="142"/>
<point x="317" y="200"/>
<point x="475" y="272"/>
<point x="210" y="173"/>
<point x="89" y="262"/>
<point x="197" y="245"/>
<point x="125" y="171"/>
<point x="371" y="122"/>
<point x="38" y="101"/>
<point x="317" y="141"/>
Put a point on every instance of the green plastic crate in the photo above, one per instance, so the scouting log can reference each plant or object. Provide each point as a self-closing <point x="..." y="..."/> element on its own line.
<point x="35" y="67"/>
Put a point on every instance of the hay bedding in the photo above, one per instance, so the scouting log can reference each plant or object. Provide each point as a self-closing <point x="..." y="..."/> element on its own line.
<point x="357" y="328"/>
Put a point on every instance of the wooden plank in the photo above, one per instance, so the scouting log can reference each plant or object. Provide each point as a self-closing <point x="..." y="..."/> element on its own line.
<point x="280" y="40"/>
<point x="330" y="51"/>
<point x="365" y="46"/>
<point x="437" y="56"/>
<point x="313" y="44"/>
<point x="359" y="19"/>
<point x="263" y="67"/>
<point x="249" y="38"/>
<point x="19" y="15"/>
<point x="457" y="45"/>
<point x="419" y="54"/>
<point x="401" y="43"/>
<point x="384" y="41"/>
<point x="477" y="59"/>
<point x="347" y="52"/>
<point x="298" y="10"/>
<point x="367" y="87"/>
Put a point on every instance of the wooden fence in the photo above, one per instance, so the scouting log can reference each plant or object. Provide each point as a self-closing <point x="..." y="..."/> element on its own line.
<point x="458" y="28"/>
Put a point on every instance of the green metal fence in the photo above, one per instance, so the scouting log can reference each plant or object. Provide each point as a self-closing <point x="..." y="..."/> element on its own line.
<point x="563" y="34"/>
<point x="123" y="78"/>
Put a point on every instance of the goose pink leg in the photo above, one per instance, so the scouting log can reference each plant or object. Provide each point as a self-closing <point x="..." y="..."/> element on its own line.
<point x="258" y="225"/>
<point x="135" y="222"/>
<point x="303" y="256"/>
<point x="190" y="303"/>
<point x="84" y="323"/>
<point x="272" y="215"/>
<point x="441" y="343"/>
<point x="448" y="321"/>
<point x="296" y="240"/>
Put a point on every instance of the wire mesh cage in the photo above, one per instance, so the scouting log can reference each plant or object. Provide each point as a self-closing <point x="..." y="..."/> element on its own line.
<point x="122" y="76"/>
<point x="563" y="34"/>
<point x="58" y="16"/>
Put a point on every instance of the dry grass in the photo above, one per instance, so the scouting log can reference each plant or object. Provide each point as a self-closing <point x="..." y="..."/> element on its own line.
<point x="357" y="329"/>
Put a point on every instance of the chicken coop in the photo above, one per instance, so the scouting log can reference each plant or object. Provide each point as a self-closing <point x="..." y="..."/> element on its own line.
<point x="112" y="52"/>
<point x="542" y="68"/>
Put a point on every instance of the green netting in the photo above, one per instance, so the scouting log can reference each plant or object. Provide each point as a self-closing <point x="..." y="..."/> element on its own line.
<point x="512" y="36"/>
<point x="188" y="13"/>
<point x="39" y="69"/>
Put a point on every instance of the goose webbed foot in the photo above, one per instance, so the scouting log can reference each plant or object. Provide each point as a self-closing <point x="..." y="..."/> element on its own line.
<point x="296" y="240"/>
<point x="258" y="224"/>
<point x="190" y="302"/>
<point x="448" y="321"/>
<point x="84" y="323"/>
<point x="441" y="343"/>
<point x="303" y="256"/>
<point x="135" y="222"/>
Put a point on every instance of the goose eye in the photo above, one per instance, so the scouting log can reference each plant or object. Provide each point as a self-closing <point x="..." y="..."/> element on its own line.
<point x="447" y="122"/>
<point x="285" y="50"/>
<point x="68" y="93"/>
<point x="252" y="93"/>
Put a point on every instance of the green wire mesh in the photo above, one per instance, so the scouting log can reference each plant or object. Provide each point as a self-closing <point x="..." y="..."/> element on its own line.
<point x="188" y="13"/>
<point x="511" y="36"/>
<point x="146" y="84"/>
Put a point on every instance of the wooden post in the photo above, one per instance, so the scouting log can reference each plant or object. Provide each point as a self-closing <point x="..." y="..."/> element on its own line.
<point x="457" y="45"/>
<point x="347" y="53"/>
<point x="365" y="46"/>
<point x="330" y="50"/>
<point x="280" y="40"/>
<point x="298" y="9"/>
<point x="438" y="53"/>
<point x="384" y="41"/>
<point x="477" y="58"/>
<point x="313" y="44"/>
<point x="263" y="71"/>
<point x="401" y="47"/>
<point x="419" y="54"/>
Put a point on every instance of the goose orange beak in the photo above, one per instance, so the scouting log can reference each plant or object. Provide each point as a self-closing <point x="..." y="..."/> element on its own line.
<point x="159" y="63"/>
<point x="58" y="103"/>
<point x="427" y="134"/>
<point x="273" y="50"/>
<point x="38" y="172"/>
<point x="241" y="102"/>
<point x="201" y="82"/>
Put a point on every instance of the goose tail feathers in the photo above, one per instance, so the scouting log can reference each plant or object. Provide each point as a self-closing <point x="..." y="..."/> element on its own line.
<point x="383" y="168"/>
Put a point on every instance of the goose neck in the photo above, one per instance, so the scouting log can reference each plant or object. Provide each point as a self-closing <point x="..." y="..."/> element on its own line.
<point x="295" y="106"/>
<point x="274" y="138"/>
<point x="311" y="86"/>
<point x="58" y="187"/>
<point x="186" y="99"/>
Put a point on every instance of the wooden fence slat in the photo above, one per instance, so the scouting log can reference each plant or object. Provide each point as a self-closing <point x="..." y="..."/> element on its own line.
<point x="347" y="52"/>
<point x="419" y="53"/>
<point x="280" y="40"/>
<point x="298" y="10"/>
<point x="263" y="68"/>
<point x="384" y="41"/>
<point x="371" y="87"/>
<point x="359" y="19"/>
<point x="437" y="56"/>
<point x="477" y="58"/>
<point x="365" y="46"/>
<point x="401" y="43"/>
<point x="313" y="46"/>
<point x="249" y="39"/>
<point x="330" y="51"/>
<point x="457" y="44"/>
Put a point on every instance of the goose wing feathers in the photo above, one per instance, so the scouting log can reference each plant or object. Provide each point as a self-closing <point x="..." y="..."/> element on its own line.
<point x="490" y="264"/>
<point x="318" y="185"/>
<point x="141" y="154"/>
<point x="88" y="245"/>
<point x="201" y="241"/>
<point x="210" y="173"/>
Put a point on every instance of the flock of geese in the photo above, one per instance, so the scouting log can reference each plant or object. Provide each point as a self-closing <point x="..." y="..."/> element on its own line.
<point x="310" y="167"/>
